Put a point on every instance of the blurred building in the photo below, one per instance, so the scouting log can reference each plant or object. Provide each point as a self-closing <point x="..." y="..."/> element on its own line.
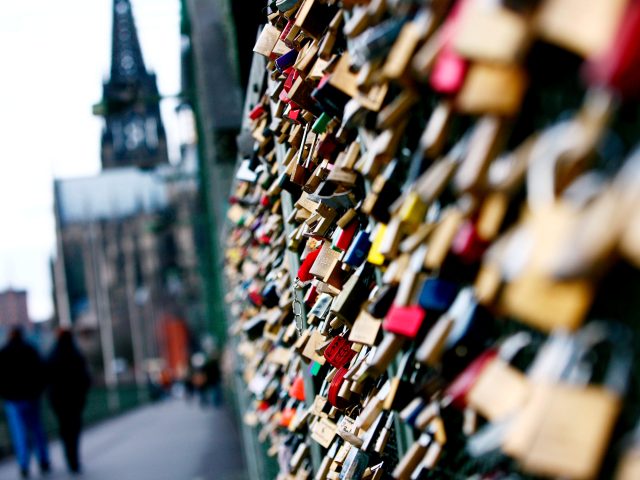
<point x="13" y="309"/>
<point x="126" y="268"/>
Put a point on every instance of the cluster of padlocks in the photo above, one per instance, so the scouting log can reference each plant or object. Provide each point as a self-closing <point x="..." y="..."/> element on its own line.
<point x="431" y="201"/>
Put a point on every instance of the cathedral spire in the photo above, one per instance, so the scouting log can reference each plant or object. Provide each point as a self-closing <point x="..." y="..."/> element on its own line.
<point x="133" y="134"/>
<point x="127" y="63"/>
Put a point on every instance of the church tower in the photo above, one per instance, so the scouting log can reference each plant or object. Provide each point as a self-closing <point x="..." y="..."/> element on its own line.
<point x="133" y="134"/>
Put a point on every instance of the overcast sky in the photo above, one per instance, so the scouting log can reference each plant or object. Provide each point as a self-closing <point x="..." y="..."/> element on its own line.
<point x="54" y="56"/>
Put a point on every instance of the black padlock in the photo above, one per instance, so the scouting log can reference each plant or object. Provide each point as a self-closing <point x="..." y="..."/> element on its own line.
<point x="270" y="297"/>
<point x="382" y="301"/>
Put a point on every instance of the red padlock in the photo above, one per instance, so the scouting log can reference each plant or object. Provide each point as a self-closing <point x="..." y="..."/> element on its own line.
<point x="295" y="115"/>
<point x="286" y="416"/>
<point x="339" y="352"/>
<point x="257" y="112"/>
<point x="449" y="69"/>
<point x="327" y="147"/>
<point x="449" y="72"/>
<point x="405" y="321"/>
<point x="334" y="389"/>
<point x="345" y="236"/>
<point x="287" y="29"/>
<point x="311" y="296"/>
<point x="283" y="97"/>
<point x="619" y="67"/>
<point x="304" y="272"/>
<point x="255" y="298"/>
<point x="467" y="244"/>
<point x="265" y="239"/>
<point x="297" y="389"/>
<point x="292" y="76"/>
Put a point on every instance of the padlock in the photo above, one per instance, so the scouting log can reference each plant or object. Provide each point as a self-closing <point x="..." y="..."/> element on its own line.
<point x="399" y="108"/>
<point x="254" y="328"/>
<point x="344" y="236"/>
<point x="441" y="238"/>
<point x="326" y="265"/>
<point x="492" y="89"/>
<point x="459" y="336"/>
<point x="585" y="28"/>
<point x="449" y="72"/>
<point x="565" y="427"/>
<point x="468" y="246"/>
<point x="358" y="250"/>
<point x="339" y="353"/>
<point x="287" y="60"/>
<point x="629" y="464"/>
<point x="359" y="457"/>
<point x="382" y="300"/>
<point x="412" y="458"/>
<point x="365" y="329"/>
<point x="324" y="468"/>
<point x="492" y="386"/>
<point x="384" y="191"/>
<point x="401" y="388"/>
<point x="321" y="307"/>
<point x="304" y="273"/>
<point x="485" y="141"/>
<point x="270" y="295"/>
<point x="616" y="67"/>
<point x="334" y="389"/>
<point x="380" y="158"/>
<point x="315" y="340"/>
<point x="437" y="295"/>
<point x="405" y="317"/>
<point x="328" y="42"/>
<point x="404" y="320"/>
<point x="385" y="353"/>
<point x="313" y="17"/>
<point x="375" y="42"/>
<point x="267" y="40"/>
<point x="493" y="32"/>
<point x="373" y="408"/>
<point x="285" y="451"/>
<point x="364" y="16"/>
<point x="332" y="99"/>
<point x="354" y="465"/>
<point x="448" y="67"/>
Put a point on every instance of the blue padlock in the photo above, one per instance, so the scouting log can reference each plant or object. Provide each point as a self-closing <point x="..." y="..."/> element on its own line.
<point x="287" y="60"/>
<point x="358" y="250"/>
<point x="437" y="294"/>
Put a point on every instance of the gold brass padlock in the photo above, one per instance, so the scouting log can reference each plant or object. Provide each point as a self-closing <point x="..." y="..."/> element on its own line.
<point x="500" y="389"/>
<point x="564" y="428"/>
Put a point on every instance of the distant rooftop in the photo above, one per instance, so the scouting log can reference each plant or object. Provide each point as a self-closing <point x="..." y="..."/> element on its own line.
<point x="110" y="195"/>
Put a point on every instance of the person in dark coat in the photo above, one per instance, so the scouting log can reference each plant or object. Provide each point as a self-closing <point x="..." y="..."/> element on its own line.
<point x="69" y="383"/>
<point x="211" y="390"/>
<point x="22" y="382"/>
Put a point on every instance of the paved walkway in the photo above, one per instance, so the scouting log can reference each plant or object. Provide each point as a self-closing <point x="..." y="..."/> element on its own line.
<point x="171" y="440"/>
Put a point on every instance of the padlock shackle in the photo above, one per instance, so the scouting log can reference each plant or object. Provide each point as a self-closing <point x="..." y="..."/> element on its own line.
<point x="513" y="344"/>
<point x="553" y="358"/>
<point x="619" y="337"/>
<point x="563" y="145"/>
<point x="405" y="360"/>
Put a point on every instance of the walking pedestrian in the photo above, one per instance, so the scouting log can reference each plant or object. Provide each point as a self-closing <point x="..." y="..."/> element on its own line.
<point x="212" y="385"/>
<point x="69" y="383"/>
<point x="22" y="382"/>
